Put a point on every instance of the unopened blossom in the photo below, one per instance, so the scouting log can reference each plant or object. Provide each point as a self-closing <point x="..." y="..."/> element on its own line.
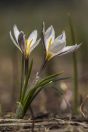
<point x="24" y="45"/>
<point x="56" y="46"/>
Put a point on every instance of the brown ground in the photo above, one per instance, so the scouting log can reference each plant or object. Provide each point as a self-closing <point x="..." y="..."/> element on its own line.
<point x="45" y="124"/>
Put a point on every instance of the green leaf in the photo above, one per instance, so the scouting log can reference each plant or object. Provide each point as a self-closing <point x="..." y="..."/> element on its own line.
<point x="27" y="80"/>
<point x="50" y="77"/>
<point x="20" y="110"/>
<point x="49" y="82"/>
<point x="37" y="88"/>
<point x="27" y="99"/>
<point x="42" y="83"/>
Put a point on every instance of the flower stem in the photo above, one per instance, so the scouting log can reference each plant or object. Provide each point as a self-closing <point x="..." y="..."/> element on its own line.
<point x="75" y="71"/>
<point x="22" y="76"/>
<point x="43" y="66"/>
<point x="26" y="67"/>
<point x="26" y="74"/>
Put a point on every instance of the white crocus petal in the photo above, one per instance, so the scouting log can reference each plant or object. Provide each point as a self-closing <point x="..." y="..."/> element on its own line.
<point x="56" y="47"/>
<point x="49" y="34"/>
<point x="14" y="41"/>
<point x="59" y="44"/>
<point x="34" y="45"/>
<point x="32" y="38"/>
<point x="61" y="38"/>
<point x="16" y="32"/>
<point x="69" y="49"/>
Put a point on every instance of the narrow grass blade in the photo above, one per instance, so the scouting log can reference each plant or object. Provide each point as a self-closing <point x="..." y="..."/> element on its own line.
<point x="75" y="71"/>
<point x="27" y="80"/>
<point x="35" y="90"/>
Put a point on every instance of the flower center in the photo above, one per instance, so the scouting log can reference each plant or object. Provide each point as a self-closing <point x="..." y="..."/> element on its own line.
<point x="28" y="45"/>
<point x="49" y="43"/>
<point x="48" y="54"/>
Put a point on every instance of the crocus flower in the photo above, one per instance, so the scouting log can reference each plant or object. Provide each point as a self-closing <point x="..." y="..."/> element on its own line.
<point x="24" y="45"/>
<point x="56" y="46"/>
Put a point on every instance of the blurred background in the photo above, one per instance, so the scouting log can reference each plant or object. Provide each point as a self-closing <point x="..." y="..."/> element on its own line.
<point x="29" y="15"/>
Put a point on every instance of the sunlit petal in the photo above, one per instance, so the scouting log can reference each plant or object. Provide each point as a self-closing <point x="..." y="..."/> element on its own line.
<point x="61" y="38"/>
<point x="14" y="41"/>
<point x="59" y="44"/>
<point x="35" y="44"/>
<point x="69" y="49"/>
<point x="32" y="38"/>
<point x="16" y="32"/>
<point x="56" y="47"/>
<point x="49" y="36"/>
